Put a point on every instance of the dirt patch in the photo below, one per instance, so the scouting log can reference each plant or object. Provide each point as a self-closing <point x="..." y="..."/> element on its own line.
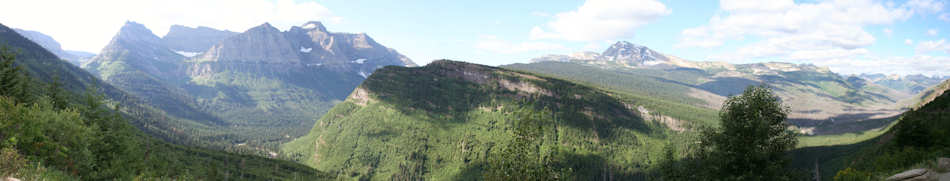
<point x="523" y="86"/>
<point x="532" y="77"/>
<point x="360" y="96"/>
<point x="316" y="149"/>
<point x="670" y="122"/>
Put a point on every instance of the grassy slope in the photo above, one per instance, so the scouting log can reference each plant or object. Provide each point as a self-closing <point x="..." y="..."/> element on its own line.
<point x="173" y="160"/>
<point x="448" y="117"/>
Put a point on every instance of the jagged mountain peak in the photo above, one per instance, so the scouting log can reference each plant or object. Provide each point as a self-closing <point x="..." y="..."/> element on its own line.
<point x="134" y="28"/>
<point x="133" y="34"/>
<point x="625" y="44"/>
<point x="136" y="36"/>
<point x="630" y="53"/>
<point x="266" y="27"/>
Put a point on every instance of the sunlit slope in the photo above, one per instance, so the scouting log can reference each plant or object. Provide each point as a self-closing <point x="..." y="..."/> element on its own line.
<point x="444" y="120"/>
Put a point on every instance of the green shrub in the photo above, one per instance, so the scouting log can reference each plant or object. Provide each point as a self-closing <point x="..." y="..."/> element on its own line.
<point x="850" y="174"/>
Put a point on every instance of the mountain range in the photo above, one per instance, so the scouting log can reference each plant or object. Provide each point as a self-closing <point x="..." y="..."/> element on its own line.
<point x="822" y="102"/>
<point x="351" y="107"/>
<point x="151" y="157"/>
<point x="255" y="88"/>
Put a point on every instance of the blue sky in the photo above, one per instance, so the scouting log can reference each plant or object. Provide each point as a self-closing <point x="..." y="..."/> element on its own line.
<point x="850" y="36"/>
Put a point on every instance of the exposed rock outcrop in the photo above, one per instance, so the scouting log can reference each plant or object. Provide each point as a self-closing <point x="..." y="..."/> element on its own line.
<point x="919" y="174"/>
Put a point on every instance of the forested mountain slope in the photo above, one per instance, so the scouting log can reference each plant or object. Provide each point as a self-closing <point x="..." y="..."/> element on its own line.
<point x="454" y="120"/>
<point x="915" y="141"/>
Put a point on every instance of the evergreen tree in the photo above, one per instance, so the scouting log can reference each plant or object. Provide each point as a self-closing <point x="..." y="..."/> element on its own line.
<point x="752" y="140"/>
<point x="524" y="158"/>
<point x="13" y="82"/>
<point x="56" y="93"/>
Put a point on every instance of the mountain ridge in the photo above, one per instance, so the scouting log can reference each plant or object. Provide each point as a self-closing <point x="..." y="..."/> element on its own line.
<point x="823" y="102"/>
<point x="408" y="122"/>
<point x="254" y="89"/>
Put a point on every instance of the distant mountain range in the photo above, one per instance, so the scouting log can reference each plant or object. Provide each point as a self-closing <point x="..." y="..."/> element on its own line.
<point x="255" y="88"/>
<point x="50" y="44"/>
<point x="822" y="102"/>
<point x="908" y="83"/>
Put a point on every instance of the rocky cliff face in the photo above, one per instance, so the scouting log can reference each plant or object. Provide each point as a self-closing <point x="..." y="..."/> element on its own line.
<point x="309" y="45"/>
<point x="262" y="44"/>
<point x="189" y="40"/>
<point x="139" y="49"/>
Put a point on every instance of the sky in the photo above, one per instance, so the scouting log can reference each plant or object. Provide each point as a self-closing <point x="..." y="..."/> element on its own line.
<point x="849" y="36"/>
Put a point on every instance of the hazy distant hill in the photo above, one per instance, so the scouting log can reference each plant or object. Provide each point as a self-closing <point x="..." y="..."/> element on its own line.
<point x="50" y="44"/>
<point x="909" y="83"/>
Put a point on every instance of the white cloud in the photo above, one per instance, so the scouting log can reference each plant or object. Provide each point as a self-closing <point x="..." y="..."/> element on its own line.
<point x="932" y="46"/>
<point x="945" y="17"/>
<point x="888" y="31"/>
<point x="932" y="32"/>
<point x="925" y="6"/>
<point x="601" y="20"/>
<point x="908" y="42"/>
<point x="803" y="32"/>
<point x="927" y="65"/>
<point x="495" y="45"/>
<point x="89" y="25"/>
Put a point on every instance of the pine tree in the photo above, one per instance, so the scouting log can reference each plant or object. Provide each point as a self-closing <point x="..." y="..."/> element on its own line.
<point x="56" y="93"/>
<point x="13" y="82"/>
<point x="523" y="158"/>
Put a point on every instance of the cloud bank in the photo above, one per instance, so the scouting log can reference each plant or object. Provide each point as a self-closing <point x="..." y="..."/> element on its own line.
<point x="601" y="20"/>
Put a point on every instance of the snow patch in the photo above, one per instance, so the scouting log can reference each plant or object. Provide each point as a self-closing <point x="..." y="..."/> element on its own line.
<point x="305" y="50"/>
<point x="187" y="54"/>
<point x="309" y="26"/>
<point x="364" y="74"/>
<point x="360" y="61"/>
<point x="651" y="63"/>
